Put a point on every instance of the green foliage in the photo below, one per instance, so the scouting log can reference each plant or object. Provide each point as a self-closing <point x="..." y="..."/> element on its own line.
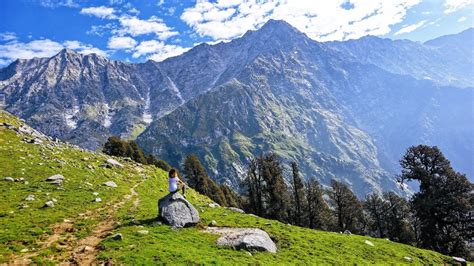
<point x="346" y="207"/>
<point x="443" y="203"/>
<point x="200" y="181"/>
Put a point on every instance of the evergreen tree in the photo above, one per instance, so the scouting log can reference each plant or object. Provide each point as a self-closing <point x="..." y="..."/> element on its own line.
<point x="199" y="180"/>
<point x="136" y="153"/>
<point x="116" y="147"/>
<point x="277" y="193"/>
<point x="347" y="208"/>
<point x="298" y="195"/>
<point x="317" y="210"/>
<point x="443" y="202"/>
<point x="376" y="209"/>
<point x="255" y="186"/>
<point x="232" y="199"/>
<point x="397" y="218"/>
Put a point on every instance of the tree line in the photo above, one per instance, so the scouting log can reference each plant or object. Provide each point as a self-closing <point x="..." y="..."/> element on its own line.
<point x="437" y="217"/>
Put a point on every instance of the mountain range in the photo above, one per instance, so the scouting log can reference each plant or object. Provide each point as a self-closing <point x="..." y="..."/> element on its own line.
<point x="345" y="110"/>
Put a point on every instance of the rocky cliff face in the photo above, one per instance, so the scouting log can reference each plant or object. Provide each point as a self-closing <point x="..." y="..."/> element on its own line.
<point x="345" y="110"/>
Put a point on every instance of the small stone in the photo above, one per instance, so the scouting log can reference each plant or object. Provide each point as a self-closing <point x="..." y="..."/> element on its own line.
<point x="458" y="259"/>
<point x="87" y="249"/>
<point x="110" y="184"/>
<point x="24" y="206"/>
<point x="95" y="193"/>
<point x="54" y="200"/>
<point x="90" y="167"/>
<point x="236" y="209"/>
<point x="98" y="200"/>
<point x="21" y="179"/>
<point x="143" y="232"/>
<point x="24" y="250"/>
<point x="114" y="163"/>
<point x="347" y="232"/>
<point x="49" y="204"/>
<point x="248" y="253"/>
<point x="117" y="237"/>
<point x="213" y="223"/>
<point x="407" y="258"/>
<point x="135" y="222"/>
<point x="8" y="179"/>
<point x="369" y="243"/>
<point x="30" y="198"/>
<point x="55" y="178"/>
<point x="213" y="205"/>
<point x="268" y="223"/>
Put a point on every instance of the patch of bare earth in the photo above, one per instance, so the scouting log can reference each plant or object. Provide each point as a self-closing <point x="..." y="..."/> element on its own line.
<point x="83" y="251"/>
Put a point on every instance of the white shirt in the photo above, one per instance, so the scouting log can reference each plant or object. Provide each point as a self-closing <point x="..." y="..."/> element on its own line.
<point x="173" y="184"/>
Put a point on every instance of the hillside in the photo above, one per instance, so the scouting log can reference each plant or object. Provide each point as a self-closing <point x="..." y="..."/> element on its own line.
<point x="77" y="229"/>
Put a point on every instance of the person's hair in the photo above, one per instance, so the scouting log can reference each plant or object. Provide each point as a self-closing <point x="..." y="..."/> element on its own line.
<point x="172" y="172"/>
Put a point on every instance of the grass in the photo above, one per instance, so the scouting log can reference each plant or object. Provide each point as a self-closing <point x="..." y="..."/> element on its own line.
<point x="25" y="228"/>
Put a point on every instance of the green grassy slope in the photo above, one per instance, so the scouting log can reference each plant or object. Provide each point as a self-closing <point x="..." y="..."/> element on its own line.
<point x="24" y="231"/>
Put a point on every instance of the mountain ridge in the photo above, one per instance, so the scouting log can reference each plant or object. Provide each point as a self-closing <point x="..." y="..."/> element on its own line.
<point x="84" y="101"/>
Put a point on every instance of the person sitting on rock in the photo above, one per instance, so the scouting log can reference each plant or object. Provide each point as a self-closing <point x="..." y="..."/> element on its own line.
<point x="175" y="184"/>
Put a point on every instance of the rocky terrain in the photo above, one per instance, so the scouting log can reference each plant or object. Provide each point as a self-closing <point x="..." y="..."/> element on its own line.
<point x="345" y="110"/>
<point x="61" y="204"/>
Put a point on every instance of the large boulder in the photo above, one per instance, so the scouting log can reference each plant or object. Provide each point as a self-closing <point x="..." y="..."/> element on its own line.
<point x="177" y="211"/>
<point x="244" y="238"/>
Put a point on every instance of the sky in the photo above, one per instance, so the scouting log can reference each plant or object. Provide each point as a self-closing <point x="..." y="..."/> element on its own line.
<point x="136" y="31"/>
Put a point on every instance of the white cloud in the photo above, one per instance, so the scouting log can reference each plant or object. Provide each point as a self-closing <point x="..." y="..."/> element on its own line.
<point x="461" y="19"/>
<point x="41" y="48"/>
<point x="410" y="28"/>
<point x="84" y="48"/>
<point x="135" y="27"/>
<point x="455" y="5"/>
<point x="58" y="3"/>
<point x="120" y="42"/>
<point x="157" y="50"/>
<point x="7" y="36"/>
<point x="320" y="20"/>
<point x="99" y="11"/>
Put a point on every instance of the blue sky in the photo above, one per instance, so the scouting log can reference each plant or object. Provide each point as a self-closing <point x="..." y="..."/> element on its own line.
<point x="136" y="31"/>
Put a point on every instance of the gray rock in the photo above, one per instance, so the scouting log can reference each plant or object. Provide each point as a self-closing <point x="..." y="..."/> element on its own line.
<point x="213" y="223"/>
<point x="407" y="258"/>
<point x="8" y="179"/>
<point x="347" y="232"/>
<point x="98" y="200"/>
<point x="236" y="209"/>
<point x="114" y="163"/>
<point x="21" y="179"/>
<point x="55" y="178"/>
<point x="177" y="211"/>
<point x="95" y="193"/>
<point x="57" y="182"/>
<point x="213" y="205"/>
<point x="117" y="236"/>
<point x="49" y="204"/>
<point x="244" y="238"/>
<point x="110" y="184"/>
<point x="458" y="259"/>
<point x="30" y="198"/>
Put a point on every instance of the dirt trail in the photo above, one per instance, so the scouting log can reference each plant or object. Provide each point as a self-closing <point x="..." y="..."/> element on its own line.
<point x="84" y="251"/>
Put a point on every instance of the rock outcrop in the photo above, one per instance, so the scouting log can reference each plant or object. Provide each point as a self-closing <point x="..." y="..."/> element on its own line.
<point x="244" y="238"/>
<point x="177" y="211"/>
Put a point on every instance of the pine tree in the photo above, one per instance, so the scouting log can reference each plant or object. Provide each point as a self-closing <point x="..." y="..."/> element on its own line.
<point x="277" y="193"/>
<point x="347" y="208"/>
<point x="443" y="202"/>
<point x="317" y="209"/>
<point x="298" y="195"/>
<point x="199" y="180"/>
<point x="376" y="209"/>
